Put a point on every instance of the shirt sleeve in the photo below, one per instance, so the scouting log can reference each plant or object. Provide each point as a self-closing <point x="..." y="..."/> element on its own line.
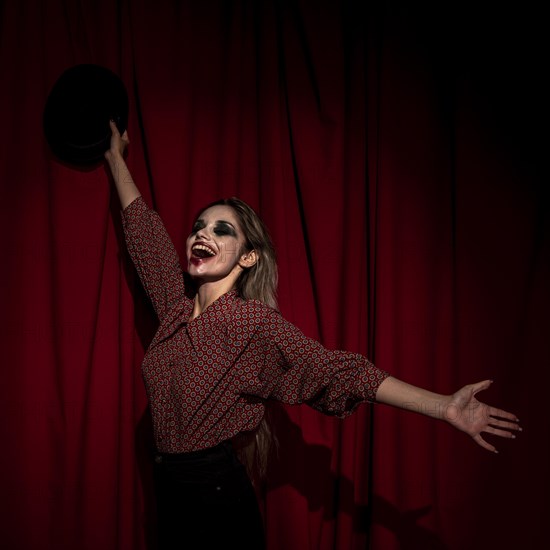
<point x="333" y="382"/>
<point x="154" y="256"/>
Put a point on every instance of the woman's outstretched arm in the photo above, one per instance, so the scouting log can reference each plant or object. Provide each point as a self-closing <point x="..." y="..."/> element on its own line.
<point x="461" y="409"/>
<point x="125" y="186"/>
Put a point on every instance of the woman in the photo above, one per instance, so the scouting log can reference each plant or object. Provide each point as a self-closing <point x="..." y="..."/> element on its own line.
<point x="222" y="349"/>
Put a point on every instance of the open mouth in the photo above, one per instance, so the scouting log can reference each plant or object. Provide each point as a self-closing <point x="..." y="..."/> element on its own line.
<point x="202" y="251"/>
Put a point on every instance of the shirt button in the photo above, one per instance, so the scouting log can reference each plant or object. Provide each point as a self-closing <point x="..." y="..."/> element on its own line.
<point x="158" y="459"/>
<point x="218" y="488"/>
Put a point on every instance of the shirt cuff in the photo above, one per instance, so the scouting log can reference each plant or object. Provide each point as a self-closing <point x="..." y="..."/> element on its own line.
<point x="135" y="208"/>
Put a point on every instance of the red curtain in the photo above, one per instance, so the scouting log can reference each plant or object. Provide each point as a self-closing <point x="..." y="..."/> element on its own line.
<point x="394" y="151"/>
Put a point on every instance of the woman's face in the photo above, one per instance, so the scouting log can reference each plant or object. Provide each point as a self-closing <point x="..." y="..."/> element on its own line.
<point x="216" y="245"/>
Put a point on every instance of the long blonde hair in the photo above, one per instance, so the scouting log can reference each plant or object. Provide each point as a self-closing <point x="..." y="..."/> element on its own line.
<point x="258" y="282"/>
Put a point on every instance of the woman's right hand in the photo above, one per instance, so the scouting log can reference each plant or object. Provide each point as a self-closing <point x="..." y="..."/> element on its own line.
<point x="118" y="143"/>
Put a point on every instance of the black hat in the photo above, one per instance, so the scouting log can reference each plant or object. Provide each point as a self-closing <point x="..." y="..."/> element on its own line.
<point x="77" y="113"/>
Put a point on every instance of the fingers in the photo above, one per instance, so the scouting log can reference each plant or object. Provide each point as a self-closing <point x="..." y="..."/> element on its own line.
<point x="481" y="442"/>
<point x="499" y="413"/>
<point x="505" y="425"/>
<point x="116" y="133"/>
<point x="114" y="128"/>
<point x="500" y="432"/>
<point x="480" y="386"/>
<point x="500" y="428"/>
<point x="118" y="142"/>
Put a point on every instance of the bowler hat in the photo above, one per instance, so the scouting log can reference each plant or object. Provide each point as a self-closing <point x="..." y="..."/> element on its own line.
<point x="77" y="113"/>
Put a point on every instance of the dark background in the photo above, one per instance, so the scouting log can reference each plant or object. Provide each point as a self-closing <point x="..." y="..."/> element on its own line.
<point x="397" y="153"/>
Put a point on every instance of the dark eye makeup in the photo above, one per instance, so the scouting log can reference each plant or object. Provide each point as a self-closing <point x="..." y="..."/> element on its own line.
<point x="221" y="228"/>
<point x="224" y="228"/>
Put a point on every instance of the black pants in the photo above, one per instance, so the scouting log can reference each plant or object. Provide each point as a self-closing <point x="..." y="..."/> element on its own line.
<point x="205" y="501"/>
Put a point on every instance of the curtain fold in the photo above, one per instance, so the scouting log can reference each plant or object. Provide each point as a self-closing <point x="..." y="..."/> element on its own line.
<point x="398" y="165"/>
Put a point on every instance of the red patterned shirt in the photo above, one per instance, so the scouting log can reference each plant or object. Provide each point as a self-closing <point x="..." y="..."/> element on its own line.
<point x="208" y="379"/>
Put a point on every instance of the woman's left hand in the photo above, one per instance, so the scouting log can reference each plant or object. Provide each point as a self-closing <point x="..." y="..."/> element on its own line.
<point x="473" y="417"/>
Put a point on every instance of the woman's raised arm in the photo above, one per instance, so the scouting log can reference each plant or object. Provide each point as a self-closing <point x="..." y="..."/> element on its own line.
<point x="125" y="186"/>
<point x="147" y="240"/>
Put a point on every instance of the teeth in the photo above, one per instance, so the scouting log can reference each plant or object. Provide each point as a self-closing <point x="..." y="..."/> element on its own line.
<point x="203" y="248"/>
